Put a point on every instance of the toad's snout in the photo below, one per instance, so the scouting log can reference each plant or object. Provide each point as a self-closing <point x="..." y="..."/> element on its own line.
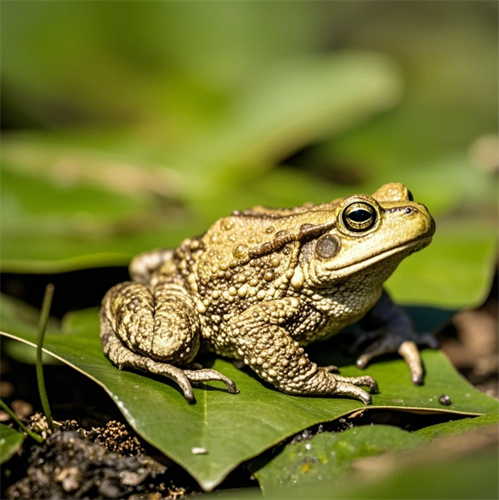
<point x="414" y="220"/>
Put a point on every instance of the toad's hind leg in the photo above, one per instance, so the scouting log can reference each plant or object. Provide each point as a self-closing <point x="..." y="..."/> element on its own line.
<point x="153" y="331"/>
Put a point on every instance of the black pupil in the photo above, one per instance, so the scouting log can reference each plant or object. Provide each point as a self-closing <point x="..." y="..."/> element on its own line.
<point x="359" y="215"/>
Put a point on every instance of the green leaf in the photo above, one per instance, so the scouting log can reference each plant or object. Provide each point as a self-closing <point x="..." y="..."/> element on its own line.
<point x="10" y="442"/>
<point x="455" y="271"/>
<point x="463" y="478"/>
<point x="457" y="427"/>
<point x="234" y="428"/>
<point x="329" y="455"/>
<point x="44" y="220"/>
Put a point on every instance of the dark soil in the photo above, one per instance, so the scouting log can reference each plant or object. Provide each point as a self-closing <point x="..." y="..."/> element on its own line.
<point x="103" y="463"/>
<point x="96" y="456"/>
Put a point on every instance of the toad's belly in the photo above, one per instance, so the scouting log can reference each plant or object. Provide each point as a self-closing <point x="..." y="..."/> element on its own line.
<point x="328" y="315"/>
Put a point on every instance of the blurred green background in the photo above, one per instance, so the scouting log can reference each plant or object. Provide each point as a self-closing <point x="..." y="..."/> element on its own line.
<point x="131" y="125"/>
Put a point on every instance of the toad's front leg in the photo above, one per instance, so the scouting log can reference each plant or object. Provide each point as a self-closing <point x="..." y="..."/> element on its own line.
<point x="392" y="331"/>
<point x="274" y="355"/>
<point x="153" y="331"/>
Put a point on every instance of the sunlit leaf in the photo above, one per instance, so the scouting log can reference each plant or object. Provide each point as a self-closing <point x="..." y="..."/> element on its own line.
<point x="285" y="108"/>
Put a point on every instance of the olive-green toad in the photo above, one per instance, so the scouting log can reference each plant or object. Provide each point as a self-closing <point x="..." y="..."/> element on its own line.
<point x="262" y="283"/>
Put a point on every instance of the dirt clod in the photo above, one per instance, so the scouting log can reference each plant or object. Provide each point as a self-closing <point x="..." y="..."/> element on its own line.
<point x="69" y="466"/>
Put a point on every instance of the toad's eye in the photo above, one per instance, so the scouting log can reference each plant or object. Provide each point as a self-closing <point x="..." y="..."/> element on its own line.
<point x="359" y="216"/>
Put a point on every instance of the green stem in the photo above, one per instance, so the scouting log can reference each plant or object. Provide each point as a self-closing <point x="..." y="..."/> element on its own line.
<point x="30" y="433"/>
<point x="47" y="302"/>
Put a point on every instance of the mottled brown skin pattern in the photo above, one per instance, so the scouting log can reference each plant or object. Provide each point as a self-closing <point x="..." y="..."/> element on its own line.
<point x="261" y="284"/>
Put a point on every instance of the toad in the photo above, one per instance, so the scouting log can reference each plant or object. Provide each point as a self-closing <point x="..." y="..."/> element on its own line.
<point x="263" y="283"/>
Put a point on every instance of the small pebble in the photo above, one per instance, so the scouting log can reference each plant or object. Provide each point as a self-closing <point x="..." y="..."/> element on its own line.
<point x="444" y="400"/>
<point x="199" y="451"/>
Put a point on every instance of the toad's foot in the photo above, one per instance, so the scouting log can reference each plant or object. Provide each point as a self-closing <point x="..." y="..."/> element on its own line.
<point x="323" y="383"/>
<point x="205" y="374"/>
<point x="124" y="358"/>
<point x="406" y="346"/>
<point x="349" y="386"/>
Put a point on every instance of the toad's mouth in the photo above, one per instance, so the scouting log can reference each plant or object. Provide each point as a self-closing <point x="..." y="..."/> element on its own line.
<point x="410" y="247"/>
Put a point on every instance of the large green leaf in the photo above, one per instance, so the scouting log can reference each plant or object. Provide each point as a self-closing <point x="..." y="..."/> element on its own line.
<point x="60" y="217"/>
<point x="470" y="477"/>
<point x="329" y="455"/>
<point x="283" y="109"/>
<point x="10" y="441"/>
<point x="234" y="428"/>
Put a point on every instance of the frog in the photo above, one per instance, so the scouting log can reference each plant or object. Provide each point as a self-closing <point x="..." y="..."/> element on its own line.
<point x="263" y="283"/>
